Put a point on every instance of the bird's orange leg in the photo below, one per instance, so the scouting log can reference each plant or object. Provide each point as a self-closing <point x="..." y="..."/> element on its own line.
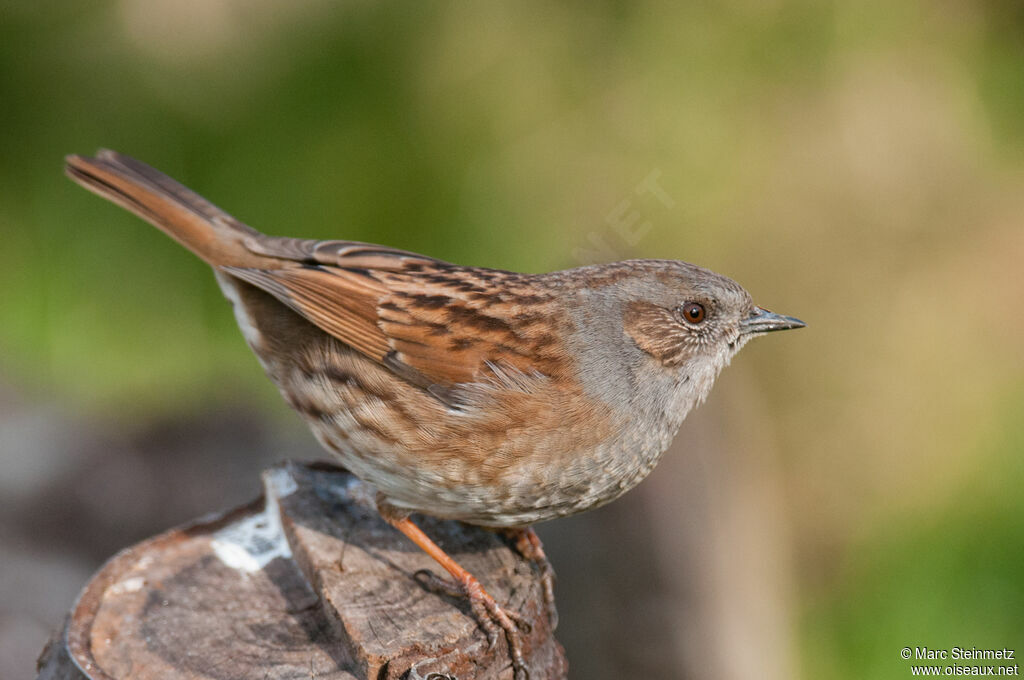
<point x="527" y="542"/>
<point x="488" y="614"/>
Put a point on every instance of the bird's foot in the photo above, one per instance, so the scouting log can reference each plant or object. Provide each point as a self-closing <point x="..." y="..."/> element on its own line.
<point x="494" y="619"/>
<point x="527" y="543"/>
<point x="488" y="614"/>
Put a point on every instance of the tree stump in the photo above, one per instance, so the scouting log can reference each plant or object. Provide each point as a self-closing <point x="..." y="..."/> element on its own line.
<point x="307" y="582"/>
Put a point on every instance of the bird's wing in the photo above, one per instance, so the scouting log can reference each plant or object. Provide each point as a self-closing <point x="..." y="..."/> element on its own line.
<point x="435" y="324"/>
<point x="344" y="254"/>
<point x="430" y="322"/>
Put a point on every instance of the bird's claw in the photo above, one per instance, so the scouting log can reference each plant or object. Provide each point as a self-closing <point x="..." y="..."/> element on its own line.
<point x="491" y="617"/>
<point x="527" y="543"/>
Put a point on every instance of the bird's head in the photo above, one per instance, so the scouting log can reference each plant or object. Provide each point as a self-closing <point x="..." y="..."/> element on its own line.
<point x="692" y="320"/>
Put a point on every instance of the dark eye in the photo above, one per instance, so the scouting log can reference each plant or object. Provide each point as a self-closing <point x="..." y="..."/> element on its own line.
<point x="693" y="312"/>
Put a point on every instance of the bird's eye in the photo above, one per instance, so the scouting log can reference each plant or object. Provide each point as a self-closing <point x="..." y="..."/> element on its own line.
<point x="693" y="312"/>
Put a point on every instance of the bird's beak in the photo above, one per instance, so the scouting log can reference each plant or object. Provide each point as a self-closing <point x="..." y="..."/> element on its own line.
<point x="763" y="321"/>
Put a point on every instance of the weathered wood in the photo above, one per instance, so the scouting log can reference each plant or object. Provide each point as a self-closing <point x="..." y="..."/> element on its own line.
<point x="306" y="583"/>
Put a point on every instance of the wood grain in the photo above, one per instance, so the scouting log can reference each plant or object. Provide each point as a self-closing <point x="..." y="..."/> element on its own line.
<point x="307" y="582"/>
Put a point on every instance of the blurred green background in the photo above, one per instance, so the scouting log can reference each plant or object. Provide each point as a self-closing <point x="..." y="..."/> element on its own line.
<point x="857" y="164"/>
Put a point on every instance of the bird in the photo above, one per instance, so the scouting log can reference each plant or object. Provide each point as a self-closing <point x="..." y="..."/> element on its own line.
<point x="491" y="397"/>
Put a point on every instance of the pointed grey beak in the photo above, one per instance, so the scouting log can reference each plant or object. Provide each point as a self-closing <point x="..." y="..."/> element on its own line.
<point x="763" y="321"/>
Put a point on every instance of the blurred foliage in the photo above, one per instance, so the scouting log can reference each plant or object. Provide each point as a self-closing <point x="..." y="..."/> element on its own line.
<point x="858" y="164"/>
<point x="949" y="578"/>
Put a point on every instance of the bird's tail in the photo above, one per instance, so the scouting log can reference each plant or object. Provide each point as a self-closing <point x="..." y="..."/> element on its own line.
<point x="191" y="220"/>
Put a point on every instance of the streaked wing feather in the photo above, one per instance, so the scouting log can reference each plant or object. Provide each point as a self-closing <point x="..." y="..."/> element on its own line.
<point x="345" y="254"/>
<point x="340" y="303"/>
<point x="433" y="324"/>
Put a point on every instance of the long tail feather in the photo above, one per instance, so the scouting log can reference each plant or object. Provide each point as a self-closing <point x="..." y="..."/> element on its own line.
<point x="187" y="217"/>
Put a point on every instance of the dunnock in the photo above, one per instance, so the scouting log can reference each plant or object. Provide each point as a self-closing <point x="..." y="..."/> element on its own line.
<point x="486" y="396"/>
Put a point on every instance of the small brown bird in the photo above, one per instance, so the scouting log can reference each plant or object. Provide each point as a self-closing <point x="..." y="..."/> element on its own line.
<point x="486" y="396"/>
